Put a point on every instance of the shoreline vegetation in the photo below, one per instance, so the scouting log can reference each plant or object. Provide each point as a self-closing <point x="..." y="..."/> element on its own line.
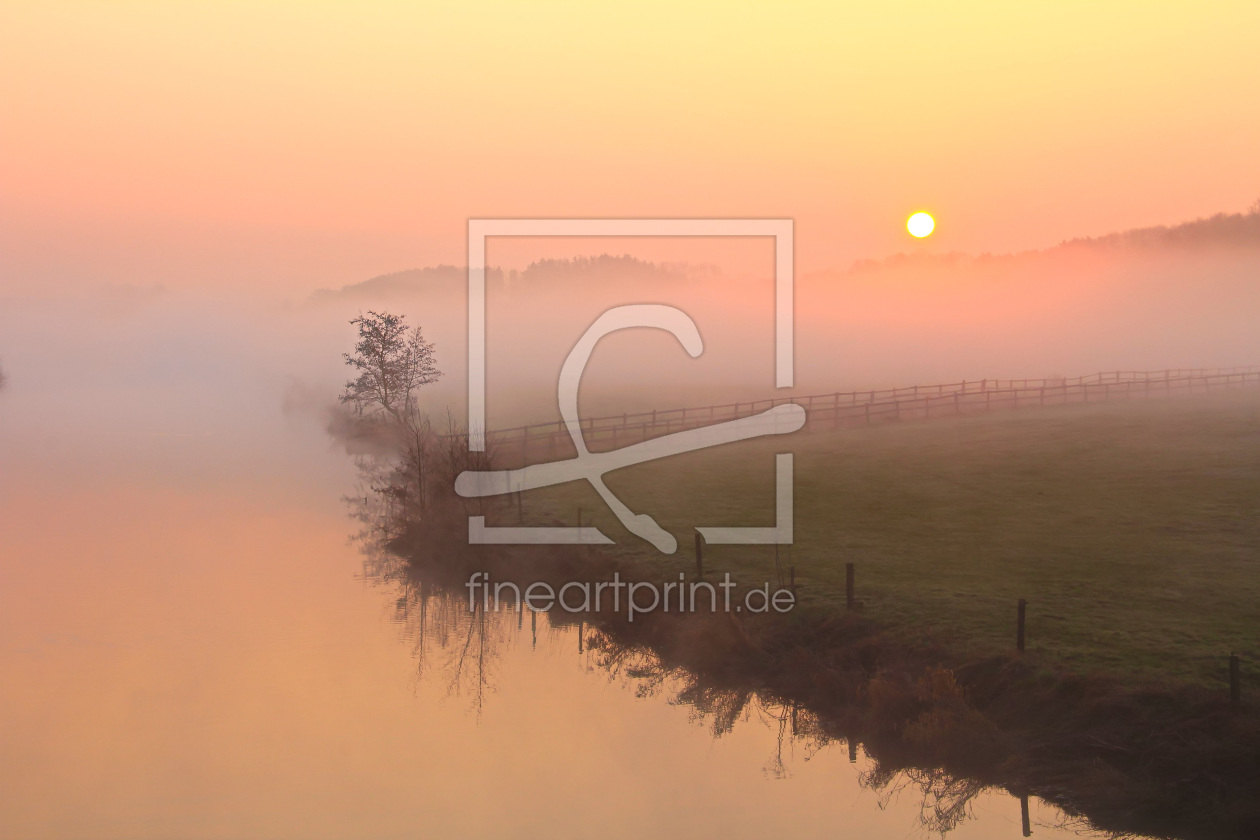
<point x="1145" y="759"/>
<point x="1134" y="751"/>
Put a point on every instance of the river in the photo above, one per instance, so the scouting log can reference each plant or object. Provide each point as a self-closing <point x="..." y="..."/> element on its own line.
<point x="194" y="644"/>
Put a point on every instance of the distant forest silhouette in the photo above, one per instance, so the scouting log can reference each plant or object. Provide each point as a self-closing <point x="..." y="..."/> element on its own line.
<point x="1221" y="231"/>
<point x="1237" y="229"/>
<point x="545" y="271"/>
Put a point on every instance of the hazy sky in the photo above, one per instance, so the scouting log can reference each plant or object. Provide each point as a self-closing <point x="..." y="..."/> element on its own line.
<point x="296" y="145"/>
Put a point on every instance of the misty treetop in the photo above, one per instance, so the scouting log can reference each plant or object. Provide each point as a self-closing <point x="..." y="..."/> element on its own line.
<point x="393" y="362"/>
<point x="417" y="477"/>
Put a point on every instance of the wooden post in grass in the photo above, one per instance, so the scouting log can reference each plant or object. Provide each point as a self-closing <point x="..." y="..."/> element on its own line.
<point x="852" y="751"/>
<point x="848" y="586"/>
<point x="1235" y="680"/>
<point x="699" y="555"/>
<point x="1019" y="627"/>
<point x="1023" y="815"/>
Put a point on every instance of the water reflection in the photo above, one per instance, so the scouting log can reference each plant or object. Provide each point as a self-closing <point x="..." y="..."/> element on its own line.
<point x="461" y="647"/>
<point x="186" y="653"/>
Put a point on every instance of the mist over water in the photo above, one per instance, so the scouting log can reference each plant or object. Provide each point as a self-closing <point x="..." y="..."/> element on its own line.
<point x="189" y="642"/>
<point x="193" y="645"/>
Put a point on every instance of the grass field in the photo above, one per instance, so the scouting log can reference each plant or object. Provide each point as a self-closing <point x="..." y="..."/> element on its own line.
<point x="1132" y="528"/>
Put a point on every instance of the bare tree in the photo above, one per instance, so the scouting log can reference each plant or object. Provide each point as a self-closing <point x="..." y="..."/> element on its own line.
<point x="393" y="361"/>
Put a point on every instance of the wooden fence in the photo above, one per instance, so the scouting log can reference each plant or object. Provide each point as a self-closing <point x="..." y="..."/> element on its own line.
<point x="858" y="408"/>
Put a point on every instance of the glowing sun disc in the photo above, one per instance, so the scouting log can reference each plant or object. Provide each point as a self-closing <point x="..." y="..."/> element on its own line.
<point x="920" y="225"/>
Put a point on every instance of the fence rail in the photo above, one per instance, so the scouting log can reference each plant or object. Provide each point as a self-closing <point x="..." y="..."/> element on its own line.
<point x="857" y="408"/>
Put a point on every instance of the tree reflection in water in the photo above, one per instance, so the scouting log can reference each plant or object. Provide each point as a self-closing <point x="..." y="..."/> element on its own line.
<point x="462" y="646"/>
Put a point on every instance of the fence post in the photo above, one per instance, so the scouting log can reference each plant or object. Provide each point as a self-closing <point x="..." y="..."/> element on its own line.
<point x="848" y="586"/>
<point x="1235" y="680"/>
<point x="1019" y="626"/>
<point x="1024" y="819"/>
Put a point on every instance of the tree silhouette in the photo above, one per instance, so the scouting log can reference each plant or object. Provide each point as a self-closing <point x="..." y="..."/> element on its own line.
<point x="393" y="361"/>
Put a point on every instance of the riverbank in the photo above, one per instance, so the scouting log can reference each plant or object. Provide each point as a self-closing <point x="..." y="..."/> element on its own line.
<point x="1131" y="758"/>
<point x="1125" y="525"/>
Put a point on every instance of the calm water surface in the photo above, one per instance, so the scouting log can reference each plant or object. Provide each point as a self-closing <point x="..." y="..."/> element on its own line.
<point x="192" y="646"/>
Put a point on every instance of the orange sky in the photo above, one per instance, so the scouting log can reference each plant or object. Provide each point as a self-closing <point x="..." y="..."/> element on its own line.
<point x="295" y="145"/>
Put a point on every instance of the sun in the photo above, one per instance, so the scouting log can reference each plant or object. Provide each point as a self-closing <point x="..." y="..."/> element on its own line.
<point x="920" y="225"/>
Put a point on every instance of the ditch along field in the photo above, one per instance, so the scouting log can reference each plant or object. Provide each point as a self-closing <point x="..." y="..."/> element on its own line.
<point x="1132" y="528"/>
